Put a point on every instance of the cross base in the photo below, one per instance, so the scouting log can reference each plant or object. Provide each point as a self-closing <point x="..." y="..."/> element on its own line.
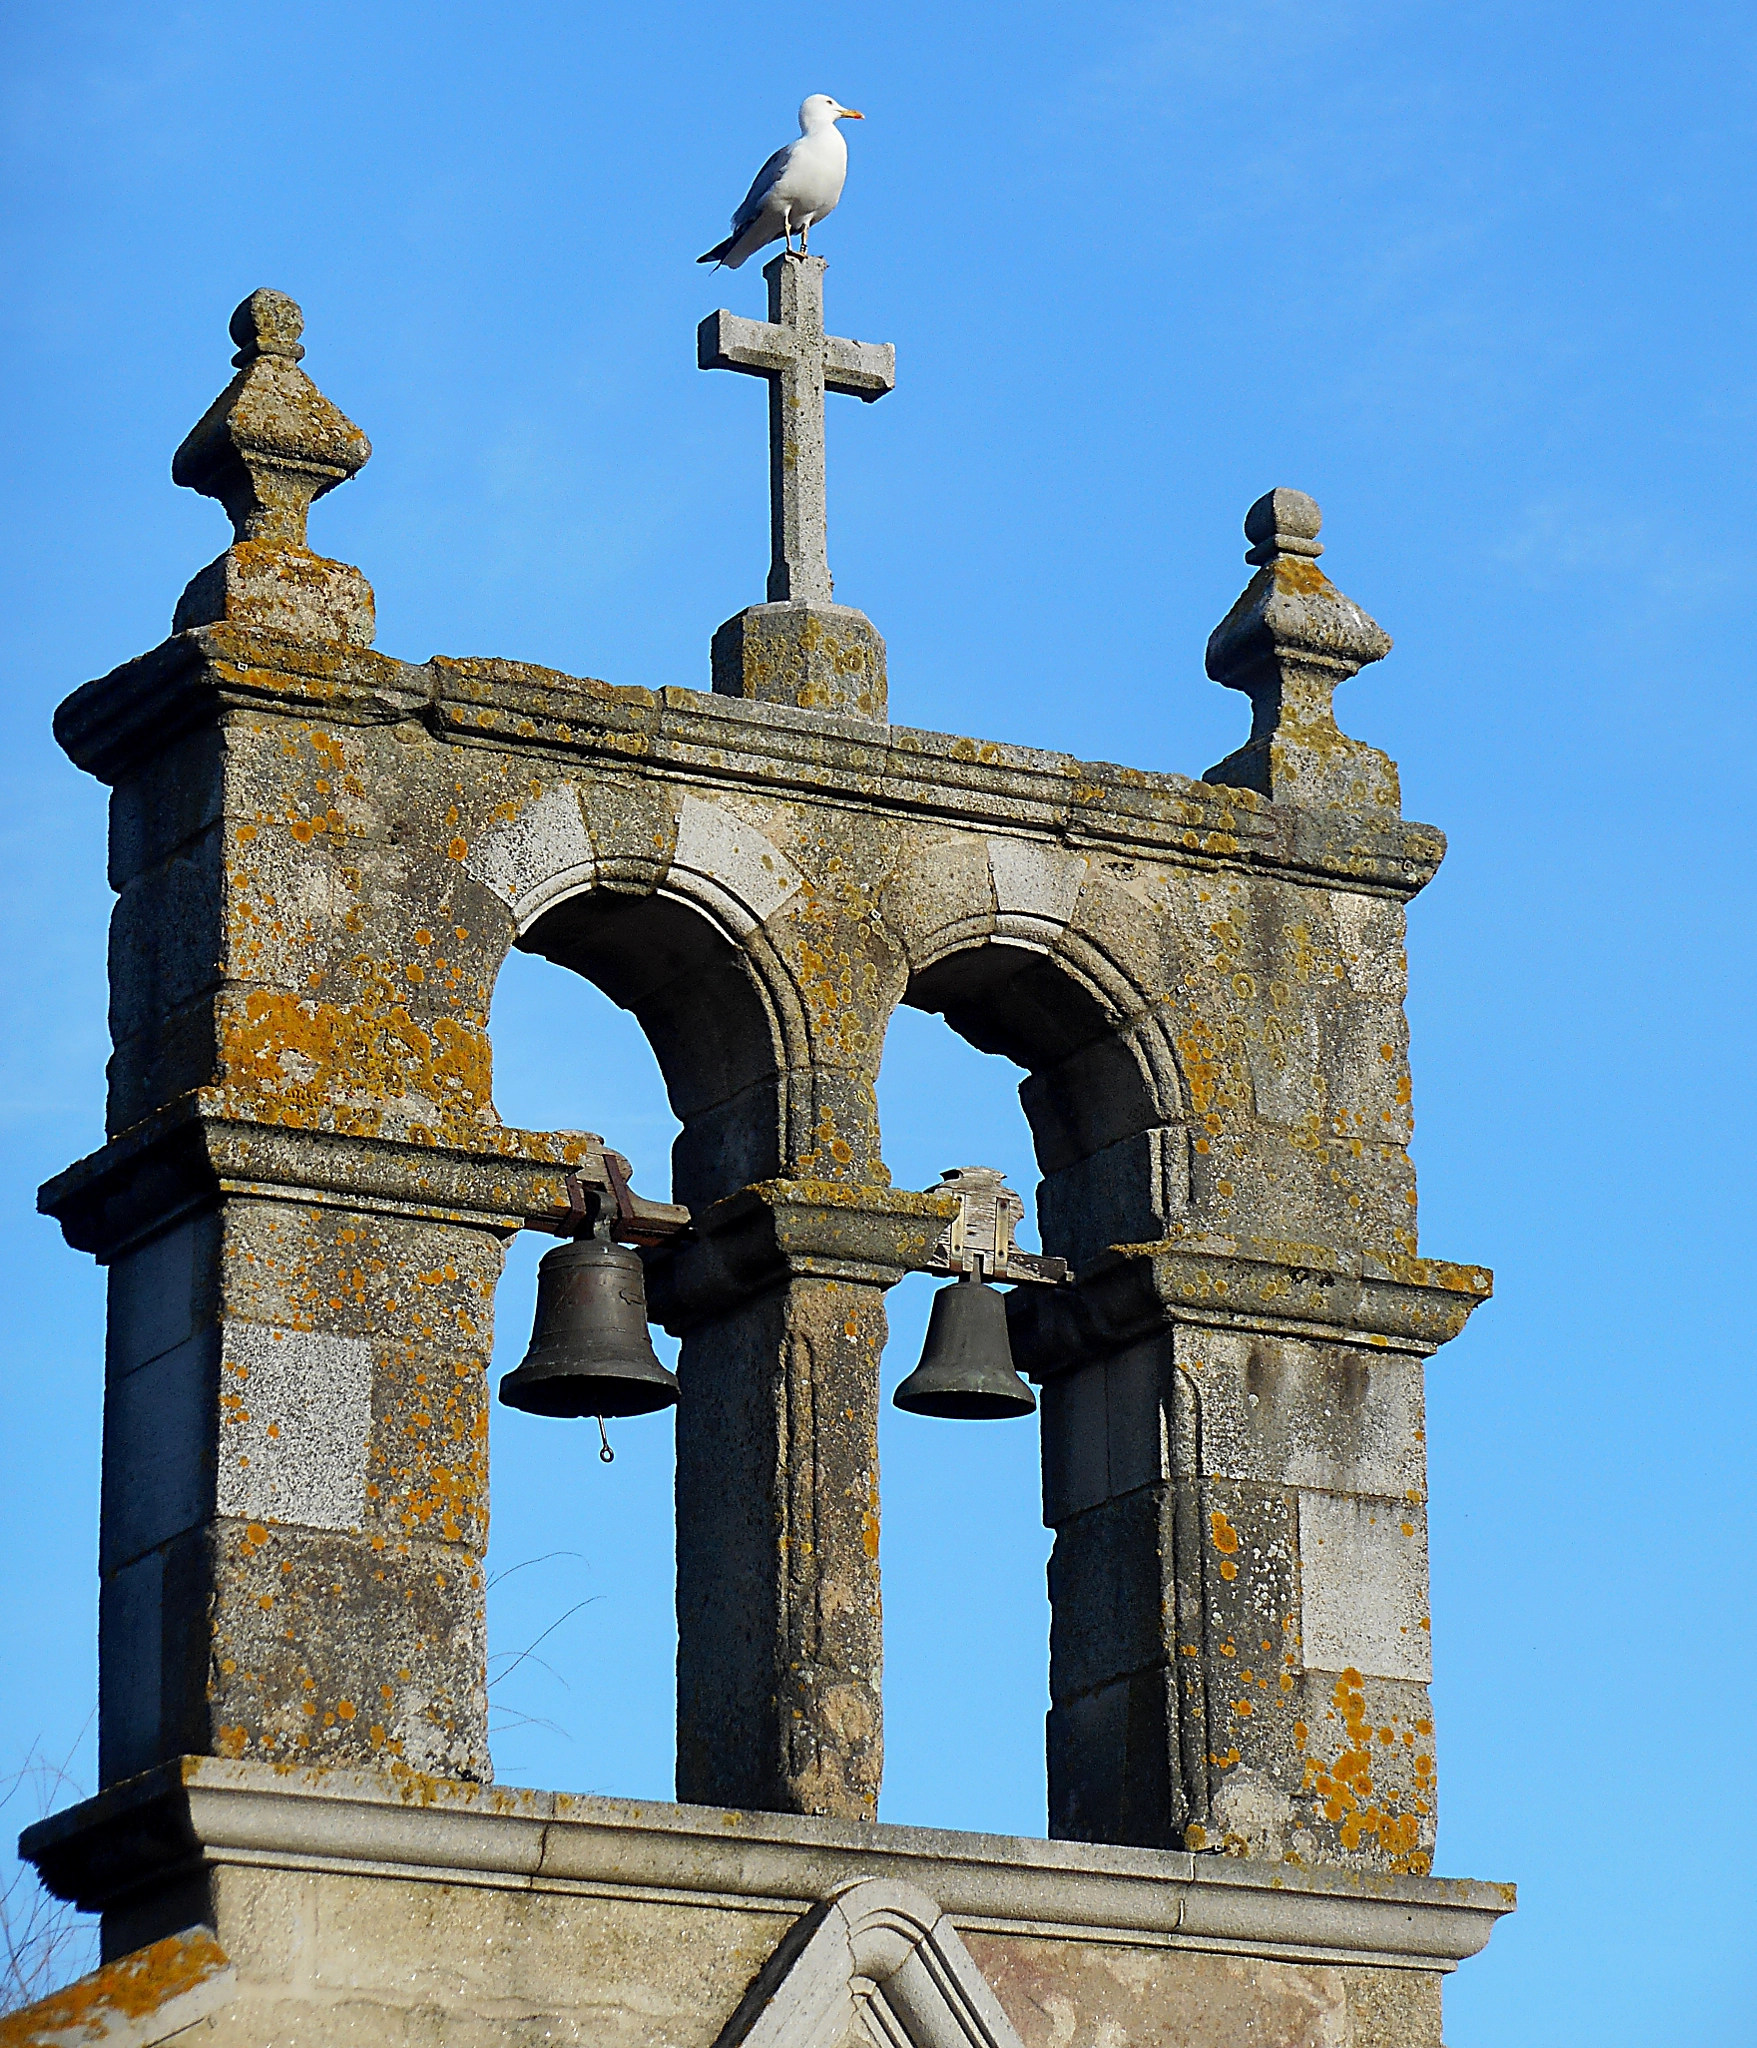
<point x="814" y="657"/>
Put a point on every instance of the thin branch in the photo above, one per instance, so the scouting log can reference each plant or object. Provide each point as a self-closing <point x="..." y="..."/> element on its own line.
<point x="541" y="1663"/>
<point x="44" y="1943"/>
<point x="529" y="1721"/>
<point x="526" y="1564"/>
<point x="530" y="1648"/>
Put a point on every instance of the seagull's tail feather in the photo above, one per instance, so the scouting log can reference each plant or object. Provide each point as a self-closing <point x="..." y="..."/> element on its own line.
<point x="746" y="238"/>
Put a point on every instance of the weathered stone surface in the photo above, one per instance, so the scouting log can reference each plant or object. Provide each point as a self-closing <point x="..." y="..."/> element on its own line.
<point x="799" y="362"/>
<point x="1240" y="1650"/>
<point x="135" y="2001"/>
<point x="1158" y="1998"/>
<point x="296" y="1490"/>
<point x="813" y="657"/>
<point x="323" y="856"/>
<point x="1290" y="639"/>
<point x="409" y="1908"/>
<point x="780" y="1638"/>
<point x="274" y="588"/>
<point x="268" y="446"/>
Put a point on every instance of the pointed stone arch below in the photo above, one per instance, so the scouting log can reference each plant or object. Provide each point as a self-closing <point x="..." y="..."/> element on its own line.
<point x="879" y="1965"/>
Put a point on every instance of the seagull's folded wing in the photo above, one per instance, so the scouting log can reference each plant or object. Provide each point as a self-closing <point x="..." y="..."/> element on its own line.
<point x="760" y="187"/>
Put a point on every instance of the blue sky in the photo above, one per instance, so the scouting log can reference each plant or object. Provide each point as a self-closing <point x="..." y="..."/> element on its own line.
<point x="1479" y="278"/>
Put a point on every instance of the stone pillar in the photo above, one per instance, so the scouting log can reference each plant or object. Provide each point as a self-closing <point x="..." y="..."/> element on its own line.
<point x="305" y="1193"/>
<point x="1232" y="1414"/>
<point x="780" y="1304"/>
<point x="295" y="1485"/>
<point x="1233" y="1468"/>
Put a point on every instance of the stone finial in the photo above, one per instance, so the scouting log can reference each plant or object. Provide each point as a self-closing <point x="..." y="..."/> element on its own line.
<point x="1283" y="523"/>
<point x="267" y="447"/>
<point x="266" y="324"/>
<point x="1287" y="643"/>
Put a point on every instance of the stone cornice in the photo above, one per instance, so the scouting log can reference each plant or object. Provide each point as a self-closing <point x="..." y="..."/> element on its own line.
<point x="113" y="724"/>
<point x="186" y="1154"/>
<point x="776" y="1231"/>
<point x="207" y="1811"/>
<point x="1311" y="1291"/>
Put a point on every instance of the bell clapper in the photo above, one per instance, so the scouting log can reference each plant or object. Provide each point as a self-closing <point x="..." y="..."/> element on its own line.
<point x="606" y="1456"/>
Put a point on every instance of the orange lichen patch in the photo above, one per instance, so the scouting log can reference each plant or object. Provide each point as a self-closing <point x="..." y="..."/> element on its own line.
<point x="1348" y="1795"/>
<point x="132" y="1988"/>
<point x="313" y="1063"/>
<point x="1224" y="1534"/>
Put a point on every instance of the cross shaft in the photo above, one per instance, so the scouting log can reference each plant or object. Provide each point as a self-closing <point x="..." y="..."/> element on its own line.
<point x="801" y="363"/>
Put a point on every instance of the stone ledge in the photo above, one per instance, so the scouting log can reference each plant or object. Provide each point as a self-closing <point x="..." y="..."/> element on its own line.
<point x="774" y="1231"/>
<point x="184" y="1155"/>
<point x="201" y="1811"/>
<point x="1310" y="1291"/>
<point x="134" y="2001"/>
<point x="112" y="725"/>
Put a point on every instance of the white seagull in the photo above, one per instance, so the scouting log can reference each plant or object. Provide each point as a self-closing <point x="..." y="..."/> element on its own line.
<point x="798" y="186"/>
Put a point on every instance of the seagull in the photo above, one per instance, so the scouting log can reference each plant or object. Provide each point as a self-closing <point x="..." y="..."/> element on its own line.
<point x="798" y="186"/>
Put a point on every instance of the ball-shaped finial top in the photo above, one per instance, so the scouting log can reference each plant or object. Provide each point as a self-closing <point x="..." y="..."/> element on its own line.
<point x="1282" y="522"/>
<point x="267" y="324"/>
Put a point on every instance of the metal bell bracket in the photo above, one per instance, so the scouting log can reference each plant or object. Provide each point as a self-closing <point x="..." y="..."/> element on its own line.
<point x="978" y="1242"/>
<point x="602" y="1204"/>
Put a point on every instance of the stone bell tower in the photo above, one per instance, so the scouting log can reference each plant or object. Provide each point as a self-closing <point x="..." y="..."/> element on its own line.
<point x="322" y="855"/>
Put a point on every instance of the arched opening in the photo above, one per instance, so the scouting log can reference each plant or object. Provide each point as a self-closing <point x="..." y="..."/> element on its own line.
<point x="1085" y="1117"/>
<point x="963" y="1546"/>
<point x="657" y="1038"/>
<point x="707" y="1020"/>
<point x="1099" y="1092"/>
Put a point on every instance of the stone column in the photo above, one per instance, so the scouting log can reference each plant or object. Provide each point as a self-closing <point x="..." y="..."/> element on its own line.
<point x="304" y="1195"/>
<point x="295" y="1479"/>
<point x="780" y="1305"/>
<point x="1233" y="1469"/>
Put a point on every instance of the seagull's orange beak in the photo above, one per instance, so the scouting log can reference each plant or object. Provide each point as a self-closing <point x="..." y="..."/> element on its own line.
<point x="850" y="114"/>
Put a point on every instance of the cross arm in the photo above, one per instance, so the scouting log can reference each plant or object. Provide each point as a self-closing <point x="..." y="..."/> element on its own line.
<point x="862" y="369"/>
<point x="727" y="341"/>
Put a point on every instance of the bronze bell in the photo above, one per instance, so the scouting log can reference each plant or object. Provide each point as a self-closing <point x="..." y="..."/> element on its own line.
<point x="590" y="1353"/>
<point x="966" y="1370"/>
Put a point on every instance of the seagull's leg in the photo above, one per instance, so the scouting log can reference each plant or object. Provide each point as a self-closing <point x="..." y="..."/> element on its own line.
<point x="805" y="237"/>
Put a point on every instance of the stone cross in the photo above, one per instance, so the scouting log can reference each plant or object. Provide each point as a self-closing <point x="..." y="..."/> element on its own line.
<point x="801" y="362"/>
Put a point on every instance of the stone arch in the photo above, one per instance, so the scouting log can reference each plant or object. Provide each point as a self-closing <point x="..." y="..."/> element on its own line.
<point x="1014" y="960"/>
<point x="676" y="934"/>
<point x="877" y="1961"/>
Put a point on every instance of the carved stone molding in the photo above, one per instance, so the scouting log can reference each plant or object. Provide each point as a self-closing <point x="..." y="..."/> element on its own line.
<point x="185" y="1155"/>
<point x="1314" y="1291"/>
<point x="130" y="1844"/>
<point x="876" y="1962"/>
